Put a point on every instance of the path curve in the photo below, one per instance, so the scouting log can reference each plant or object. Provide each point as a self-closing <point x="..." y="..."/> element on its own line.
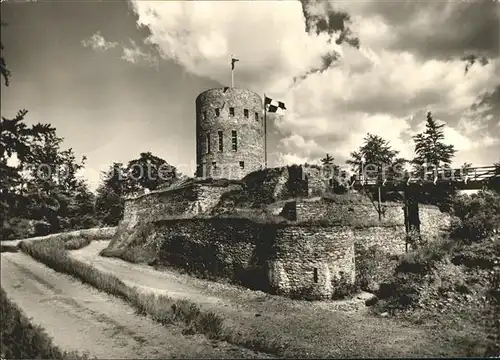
<point x="81" y="318"/>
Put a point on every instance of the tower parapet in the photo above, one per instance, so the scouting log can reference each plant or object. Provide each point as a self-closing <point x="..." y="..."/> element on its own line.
<point x="229" y="133"/>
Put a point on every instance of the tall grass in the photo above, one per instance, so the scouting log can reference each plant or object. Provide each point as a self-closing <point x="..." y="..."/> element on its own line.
<point x="161" y="308"/>
<point x="23" y="340"/>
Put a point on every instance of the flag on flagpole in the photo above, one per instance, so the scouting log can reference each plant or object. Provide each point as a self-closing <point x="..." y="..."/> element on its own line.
<point x="233" y="60"/>
<point x="272" y="106"/>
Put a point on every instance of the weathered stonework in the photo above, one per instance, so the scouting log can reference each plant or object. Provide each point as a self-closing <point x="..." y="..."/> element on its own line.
<point x="228" y="110"/>
<point x="388" y="239"/>
<point x="283" y="259"/>
<point x="184" y="202"/>
<point x="433" y="221"/>
<point x="312" y="259"/>
<point x="237" y="249"/>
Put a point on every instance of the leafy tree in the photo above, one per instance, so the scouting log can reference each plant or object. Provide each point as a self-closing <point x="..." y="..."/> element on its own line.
<point x="431" y="152"/>
<point x="327" y="160"/>
<point x="432" y="156"/>
<point x="55" y="194"/>
<point x="15" y="139"/>
<point x="3" y="66"/>
<point x="149" y="172"/>
<point x="376" y="158"/>
<point x="109" y="202"/>
<point x="146" y="172"/>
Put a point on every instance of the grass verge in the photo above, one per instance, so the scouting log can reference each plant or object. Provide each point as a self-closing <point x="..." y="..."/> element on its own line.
<point x="23" y="340"/>
<point x="161" y="308"/>
<point x="164" y="309"/>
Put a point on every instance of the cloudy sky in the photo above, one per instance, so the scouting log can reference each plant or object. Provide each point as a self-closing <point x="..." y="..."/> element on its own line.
<point x="117" y="78"/>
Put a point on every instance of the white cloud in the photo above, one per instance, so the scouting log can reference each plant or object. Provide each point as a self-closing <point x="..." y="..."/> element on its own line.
<point x="268" y="38"/>
<point x="375" y="89"/>
<point x="134" y="55"/>
<point x="97" y="42"/>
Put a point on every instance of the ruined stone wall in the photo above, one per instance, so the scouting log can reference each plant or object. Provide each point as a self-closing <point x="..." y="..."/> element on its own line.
<point x="433" y="222"/>
<point x="317" y="182"/>
<point x="311" y="260"/>
<point x="267" y="187"/>
<point x="237" y="249"/>
<point x="390" y="240"/>
<point x="184" y="202"/>
<point x="284" y="259"/>
<point x="228" y="110"/>
<point x="332" y="209"/>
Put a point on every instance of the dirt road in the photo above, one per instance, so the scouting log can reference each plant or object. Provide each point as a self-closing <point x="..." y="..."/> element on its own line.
<point x="305" y="324"/>
<point x="80" y="318"/>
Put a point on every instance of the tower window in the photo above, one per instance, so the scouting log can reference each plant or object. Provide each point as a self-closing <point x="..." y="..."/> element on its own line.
<point x="214" y="164"/>
<point x="245" y="113"/>
<point x="231" y="111"/>
<point x="217" y="112"/>
<point x="234" y="140"/>
<point x="208" y="142"/>
<point x="221" y="143"/>
<point x="256" y="116"/>
<point x="242" y="164"/>
<point x="315" y="275"/>
<point x="204" y="115"/>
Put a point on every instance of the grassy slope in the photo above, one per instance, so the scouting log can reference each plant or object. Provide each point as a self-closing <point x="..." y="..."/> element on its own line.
<point x="450" y="285"/>
<point x="283" y="327"/>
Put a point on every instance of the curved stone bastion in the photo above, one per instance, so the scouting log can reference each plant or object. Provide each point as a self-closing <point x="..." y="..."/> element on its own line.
<point x="265" y="232"/>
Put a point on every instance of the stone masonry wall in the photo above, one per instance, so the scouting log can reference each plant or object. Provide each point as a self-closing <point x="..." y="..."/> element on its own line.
<point x="236" y="249"/>
<point x="189" y="201"/>
<point x="388" y="239"/>
<point x="213" y="114"/>
<point x="324" y="208"/>
<point x="432" y="221"/>
<point x="312" y="260"/>
<point x="283" y="259"/>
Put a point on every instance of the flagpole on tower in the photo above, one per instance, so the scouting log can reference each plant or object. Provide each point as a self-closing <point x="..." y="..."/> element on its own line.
<point x="233" y="60"/>
<point x="232" y="72"/>
<point x="265" y="133"/>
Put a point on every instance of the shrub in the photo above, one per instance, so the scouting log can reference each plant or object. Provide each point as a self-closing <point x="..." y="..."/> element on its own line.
<point x="478" y="214"/>
<point x="17" y="228"/>
<point x="42" y="228"/>
<point x="421" y="261"/>
<point x="344" y="287"/>
<point x="373" y="267"/>
<point x="77" y="243"/>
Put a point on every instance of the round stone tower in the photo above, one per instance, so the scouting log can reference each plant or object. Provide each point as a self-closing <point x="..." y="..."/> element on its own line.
<point x="229" y="133"/>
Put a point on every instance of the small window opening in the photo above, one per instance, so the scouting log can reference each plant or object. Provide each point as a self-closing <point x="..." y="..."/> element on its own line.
<point x="245" y="113"/>
<point x="214" y="164"/>
<point x="234" y="140"/>
<point x="315" y="275"/>
<point x="217" y="112"/>
<point x="204" y="115"/>
<point x="242" y="164"/>
<point x="208" y="143"/>
<point x="256" y="116"/>
<point x="231" y="111"/>
<point x="221" y="143"/>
